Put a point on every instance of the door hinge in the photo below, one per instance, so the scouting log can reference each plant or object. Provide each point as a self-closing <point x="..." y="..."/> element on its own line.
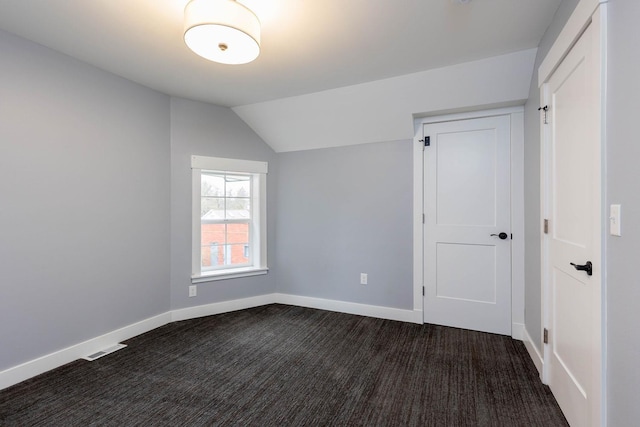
<point x="423" y="291"/>
<point x="427" y="141"/>
<point x="546" y="226"/>
<point x="545" y="338"/>
<point x="423" y="218"/>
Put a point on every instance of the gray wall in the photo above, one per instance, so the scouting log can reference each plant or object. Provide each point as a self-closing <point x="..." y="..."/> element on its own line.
<point x="210" y="130"/>
<point x="623" y="152"/>
<point x="95" y="200"/>
<point x="342" y="212"/>
<point x="84" y="205"/>
<point x="533" y="302"/>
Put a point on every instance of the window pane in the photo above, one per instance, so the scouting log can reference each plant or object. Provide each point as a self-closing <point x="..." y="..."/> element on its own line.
<point x="215" y="256"/>
<point x="224" y="244"/>
<point x="212" y="256"/>
<point x="237" y="239"/>
<point x="213" y="240"/>
<point x="213" y="234"/>
<point x="212" y="208"/>
<point x="238" y="208"/>
<point x="212" y="184"/>
<point x="238" y="233"/>
<point x="238" y="254"/>
<point x="238" y="186"/>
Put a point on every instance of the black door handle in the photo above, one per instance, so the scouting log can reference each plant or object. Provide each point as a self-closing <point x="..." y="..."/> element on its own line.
<point x="502" y="235"/>
<point x="588" y="267"/>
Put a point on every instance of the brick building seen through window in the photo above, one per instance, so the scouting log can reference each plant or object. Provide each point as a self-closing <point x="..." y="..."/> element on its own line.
<point x="216" y="250"/>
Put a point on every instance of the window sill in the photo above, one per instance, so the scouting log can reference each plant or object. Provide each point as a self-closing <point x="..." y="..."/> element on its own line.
<point x="229" y="274"/>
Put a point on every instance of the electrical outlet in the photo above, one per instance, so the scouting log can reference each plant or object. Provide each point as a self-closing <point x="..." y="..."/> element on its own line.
<point x="193" y="291"/>
<point x="363" y="278"/>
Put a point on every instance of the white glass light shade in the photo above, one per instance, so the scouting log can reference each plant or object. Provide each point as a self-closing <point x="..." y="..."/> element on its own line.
<point x="223" y="31"/>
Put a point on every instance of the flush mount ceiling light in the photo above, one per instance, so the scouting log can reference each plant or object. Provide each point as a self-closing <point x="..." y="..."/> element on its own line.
<point x="223" y="31"/>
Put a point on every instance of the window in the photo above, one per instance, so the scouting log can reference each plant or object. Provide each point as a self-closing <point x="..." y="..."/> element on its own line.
<point x="229" y="218"/>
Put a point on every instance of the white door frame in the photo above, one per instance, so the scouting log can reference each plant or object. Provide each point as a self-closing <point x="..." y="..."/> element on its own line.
<point x="594" y="13"/>
<point x="517" y="209"/>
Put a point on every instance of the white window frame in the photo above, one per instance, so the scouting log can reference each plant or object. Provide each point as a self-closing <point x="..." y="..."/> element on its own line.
<point x="258" y="172"/>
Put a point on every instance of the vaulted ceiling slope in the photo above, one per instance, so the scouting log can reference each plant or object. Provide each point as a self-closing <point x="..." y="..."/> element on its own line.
<point x="383" y="110"/>
<point x="307" y="46"/>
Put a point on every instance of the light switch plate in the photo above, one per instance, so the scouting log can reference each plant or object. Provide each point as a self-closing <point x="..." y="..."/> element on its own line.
<point x="614" y="220"/>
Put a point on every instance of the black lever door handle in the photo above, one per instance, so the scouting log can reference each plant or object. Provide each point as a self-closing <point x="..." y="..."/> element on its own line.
<point x="502" y="235"/>
<point x="588" y="267"/>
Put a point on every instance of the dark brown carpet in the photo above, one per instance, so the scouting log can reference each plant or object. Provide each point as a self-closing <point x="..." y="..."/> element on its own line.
<point x="289" y="366"/>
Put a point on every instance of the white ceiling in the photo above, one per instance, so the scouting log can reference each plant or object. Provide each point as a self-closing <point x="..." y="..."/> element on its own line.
<point x="307" y="45"/>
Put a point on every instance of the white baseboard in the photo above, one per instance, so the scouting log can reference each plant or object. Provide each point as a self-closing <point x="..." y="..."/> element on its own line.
<point x="51" y="361"/>
<point x="533" y="352"/>
<point x="412" y="316"/>
<point x="221" y="307"/>
<point x="517" y="331"/>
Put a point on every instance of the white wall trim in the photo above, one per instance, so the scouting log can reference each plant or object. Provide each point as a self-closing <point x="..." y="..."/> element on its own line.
<point x="535" y="355"/>
<point x="221" y="307"/>
<point x="418" y="209"/>
<point x="517" y="331"/>
<point x="56" y="359"/>
<point x="228" y="165"/>
<point x="34" y="367"/>
<point x="475" y="114"/>
<point x="412" y="316"/>
<point x="517" y="220"/>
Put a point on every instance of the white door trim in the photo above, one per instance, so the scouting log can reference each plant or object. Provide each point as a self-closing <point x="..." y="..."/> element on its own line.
<point x="594" y="13"/>
<point x="517" y="209"/>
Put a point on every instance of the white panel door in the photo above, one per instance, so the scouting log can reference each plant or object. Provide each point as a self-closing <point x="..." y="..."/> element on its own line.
<point x="573" y="198"/>
<point x="467" y="266"/>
